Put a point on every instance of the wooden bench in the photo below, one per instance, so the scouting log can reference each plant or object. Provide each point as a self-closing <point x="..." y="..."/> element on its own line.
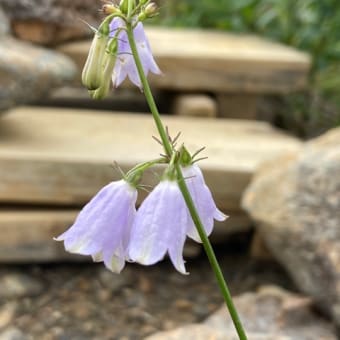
<point x="52" y="161"/>
<point x="236" y="69"/>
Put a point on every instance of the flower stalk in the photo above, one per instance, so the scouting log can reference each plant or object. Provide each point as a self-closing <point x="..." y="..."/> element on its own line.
<point x="184" y="189"/>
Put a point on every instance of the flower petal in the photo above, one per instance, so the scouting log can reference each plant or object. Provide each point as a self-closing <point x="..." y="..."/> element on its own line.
<point x="125" y="65"/>
<point x="102" y="228"/>
<point x="203" y="201"/>
<point x="160" y="226"/>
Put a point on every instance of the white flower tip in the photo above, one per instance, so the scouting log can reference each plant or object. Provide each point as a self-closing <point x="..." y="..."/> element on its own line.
<point x="97" y="257"/>
<point x="115" y="265"/>
<point x="220" y="216"/>
<point x="181" y="269"/>
<point x="59" y="238"/>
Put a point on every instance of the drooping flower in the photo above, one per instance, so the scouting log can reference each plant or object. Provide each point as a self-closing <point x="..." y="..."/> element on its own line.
<point x="203" y="201"/>
<point x="102" y="228"/>
<point x="125" y="65"/>
<point x="160" y="227"/>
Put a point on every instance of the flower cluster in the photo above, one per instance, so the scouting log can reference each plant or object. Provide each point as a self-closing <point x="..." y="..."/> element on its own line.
<point x="110" y="58"/>
<point x="110" y="230"/>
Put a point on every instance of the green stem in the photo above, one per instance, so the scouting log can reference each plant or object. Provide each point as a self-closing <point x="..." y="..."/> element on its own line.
<point x="185" y="192"/>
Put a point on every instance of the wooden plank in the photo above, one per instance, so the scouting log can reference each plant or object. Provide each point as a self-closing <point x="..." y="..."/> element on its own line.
<point x="194" y="105"/>
<point x="62" y="156"/>
<point x="239" y="106"/>
<point x="203" y="60"/>
<point x="27" y="235"/>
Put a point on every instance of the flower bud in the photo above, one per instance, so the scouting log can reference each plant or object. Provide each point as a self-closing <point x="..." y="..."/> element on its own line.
<point x="91" y="75"/>
<point x="148" y="12"/>
<point x="110" y="9"/>
<point x="124" y="5"/>
<point x="106" y="70"/>
<point x="151" y="9"/>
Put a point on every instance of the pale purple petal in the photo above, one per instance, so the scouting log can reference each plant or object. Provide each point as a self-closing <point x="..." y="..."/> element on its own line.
<point x="125" y="65"/>
<point x="160" y="226"/>
<point x="203" y="201"/>
<point x="103" y="226"/>
<point x="144" y="50"/>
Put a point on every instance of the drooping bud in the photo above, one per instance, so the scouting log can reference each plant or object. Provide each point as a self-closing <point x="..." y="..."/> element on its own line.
<point x="110" y="9"/>
<point x="106" y="71"/>
<point x="151" y="9"/>
<point x="91" y="75"/>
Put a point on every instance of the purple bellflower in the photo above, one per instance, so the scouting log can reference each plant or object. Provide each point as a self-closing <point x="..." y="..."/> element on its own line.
<point x="203" y="201"/>
<point x="125" y="65"/>
<point x="102" y="228"/>
<point x="160" y="227"/>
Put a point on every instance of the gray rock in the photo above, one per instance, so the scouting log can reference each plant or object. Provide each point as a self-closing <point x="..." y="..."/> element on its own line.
<point x="295" y="201"/>
<point x="112" y="281"/>
<point x="52" y="21"/>
<point x="4" y="23"/>
<point x="7" y="313"/>
<point x="28" y="73"/>
<point x="14" y="285"/>
<point x="271" y="313"/>
<point x="13" y="334"/>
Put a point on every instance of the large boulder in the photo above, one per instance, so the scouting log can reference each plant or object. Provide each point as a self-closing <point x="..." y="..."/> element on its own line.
<point x="295" y="201"/>
<point x="28" y="73"/>
<point x="4" y="23"/>
<point x="271" y="313"/>
<point x="49" y="22"/>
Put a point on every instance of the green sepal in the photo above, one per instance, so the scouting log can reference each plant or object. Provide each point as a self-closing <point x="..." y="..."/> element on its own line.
<point x="135" y="175"/>
<point x="185" y="158"/>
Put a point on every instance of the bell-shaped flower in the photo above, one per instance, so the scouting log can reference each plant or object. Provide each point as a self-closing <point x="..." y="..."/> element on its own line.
<point x="125" y="65"/>
<point x="203" y="200"/>
<point x="160" y="227"/>
<point x="102" y="228"/>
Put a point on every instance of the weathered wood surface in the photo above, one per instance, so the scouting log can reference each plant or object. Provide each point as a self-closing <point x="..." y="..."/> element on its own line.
<point x="217" y="61"/>
<point x="61" y="156"/>
<point x="194" y="105"/>
<point x="239" y="106"/>
<point x="26" y="235"/>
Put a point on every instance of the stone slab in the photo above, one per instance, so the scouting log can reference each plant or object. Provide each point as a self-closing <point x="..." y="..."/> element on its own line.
<point x="203" y="60"/>
<point x="26" y="235"/>
<point x="194" y="105"/>
<point x="63" y="157"/>
<point x="271" y="313"/>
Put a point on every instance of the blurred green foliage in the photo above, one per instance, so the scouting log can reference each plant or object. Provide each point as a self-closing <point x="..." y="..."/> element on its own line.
<point x="310" y="25"/>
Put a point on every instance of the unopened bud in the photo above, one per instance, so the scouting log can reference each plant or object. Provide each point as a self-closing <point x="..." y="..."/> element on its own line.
<point x="110" y="9"/>
<point x="124" y="6"/>
<point x="106" y="70"/>
<point x="148" y="12"/>
<point x="151" y="9"/>
<point x="91" y="75"/>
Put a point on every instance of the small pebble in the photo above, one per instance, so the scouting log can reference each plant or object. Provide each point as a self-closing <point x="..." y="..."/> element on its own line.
<point x="14" y="285"/>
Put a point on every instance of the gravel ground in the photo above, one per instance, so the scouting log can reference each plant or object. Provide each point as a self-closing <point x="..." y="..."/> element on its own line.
<point x="85" y="301"/>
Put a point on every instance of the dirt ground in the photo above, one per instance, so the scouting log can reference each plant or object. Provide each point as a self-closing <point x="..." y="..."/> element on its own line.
<point x="85" y="301"/>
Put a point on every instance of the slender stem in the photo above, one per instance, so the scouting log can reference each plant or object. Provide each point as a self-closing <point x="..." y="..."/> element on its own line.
<point x="185" y="192"/>
<point x="148" y="94"/>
